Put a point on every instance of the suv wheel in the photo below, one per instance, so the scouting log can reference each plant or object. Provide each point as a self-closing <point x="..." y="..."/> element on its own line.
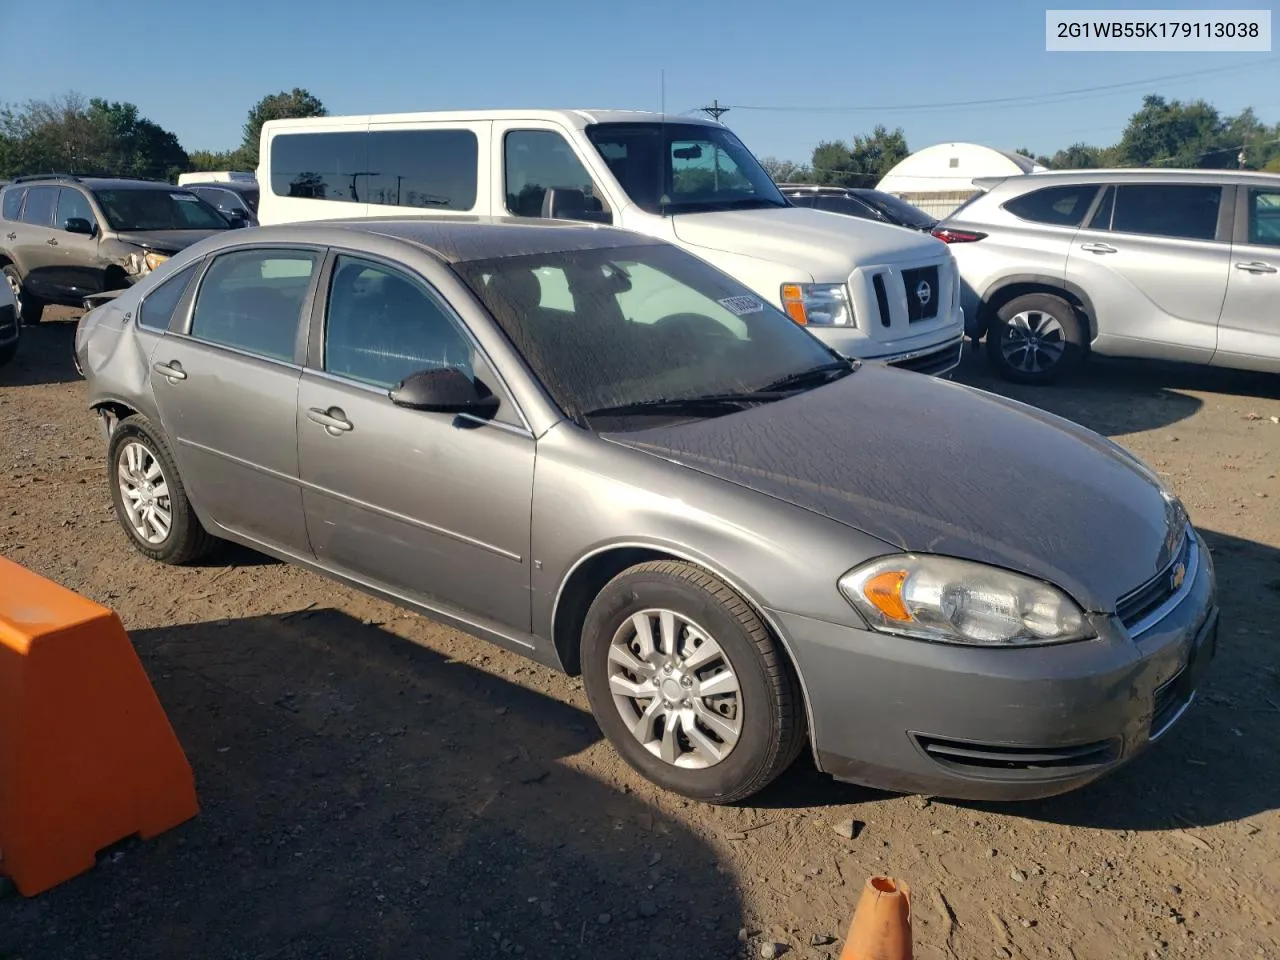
<point x="688" y="684"/>
<point x="1036" y="338"/>
<point x="29" y="307"/>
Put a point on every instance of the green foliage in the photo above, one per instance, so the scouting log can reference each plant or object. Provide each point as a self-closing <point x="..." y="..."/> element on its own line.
<point x="277" y="106"/>
<point x="787" y="171"/>
<point x="202" y="160"/>
<point x="861" y="163"/>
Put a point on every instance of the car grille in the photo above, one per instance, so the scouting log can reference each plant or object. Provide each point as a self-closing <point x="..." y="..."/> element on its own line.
<point x="990" y="758"/>
<point x="882" y="300"/>
<point x="8" y="322"/>
<point x="923" y="293"/>
<point x="939" y="361"/>
<point x="1136" y="606"/>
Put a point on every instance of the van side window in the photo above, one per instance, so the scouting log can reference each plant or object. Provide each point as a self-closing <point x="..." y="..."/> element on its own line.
<point x="431" y="169"/>
<point x="536" y="160"/>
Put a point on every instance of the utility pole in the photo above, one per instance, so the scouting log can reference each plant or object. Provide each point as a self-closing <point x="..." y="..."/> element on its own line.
<point x="715" y="111"/>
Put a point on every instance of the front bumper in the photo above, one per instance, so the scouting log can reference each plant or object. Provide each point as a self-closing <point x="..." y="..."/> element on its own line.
<point x="935" y="352"/>
<point x="981" y="724"/>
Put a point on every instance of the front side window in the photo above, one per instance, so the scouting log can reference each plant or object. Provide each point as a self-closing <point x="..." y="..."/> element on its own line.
<point x="668" y="168"/>
<point x="11" y="206"/>
<point x="1057" y="206"/>
<point x="157" y="306"/>
<point x="252" y="300"/>
<point x="536" y="160"/>
<point x="73" y="204"/>
<point x="132" y="209"/>
<point x="1264" y="217"/>
<point x="381" y="326"/>
<point x="638" y="324"/>
<point x="1185" y="211"/>
<point x="40" y="205"/>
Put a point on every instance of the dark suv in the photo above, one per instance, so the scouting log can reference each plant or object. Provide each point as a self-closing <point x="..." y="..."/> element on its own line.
<point x="859" y="202"/>
<point x="233" y="198"/>
<point x="64" y="238"/>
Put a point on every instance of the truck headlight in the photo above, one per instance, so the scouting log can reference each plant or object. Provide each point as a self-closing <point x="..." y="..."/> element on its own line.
<point x="958" y="601"/>
<point x="818" y="304"/>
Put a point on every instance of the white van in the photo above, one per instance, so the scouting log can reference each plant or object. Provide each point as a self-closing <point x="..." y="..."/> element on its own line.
<point x="216" y="176"/>
<point x="869" y="290"/>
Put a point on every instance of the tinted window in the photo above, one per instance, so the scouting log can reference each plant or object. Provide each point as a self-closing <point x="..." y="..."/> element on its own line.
<point x="1101" y="219"/>
<point x="846" y="206"/>
<point x="252" y="300"/>
<point x="73" y="203"/>
<point x="1264" y="217"/>
<point x="381" y="327"/>
<point x="801" y="199"/>
<point x="1188" y="211"/>
<point x="158" y="209"/>
<point x="538" y="159"/>
<point x="40" y="204"/>
<point x="12" y="203"/>
<point x="435" y="169"/>
<point x="1059" y="206"/>
<point x="158" y="305"/>
<point x="227" y="201"/>
<point x="896" y="209"/>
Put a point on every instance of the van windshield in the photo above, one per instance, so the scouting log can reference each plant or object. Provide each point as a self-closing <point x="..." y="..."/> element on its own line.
<point x="669" y="168"/>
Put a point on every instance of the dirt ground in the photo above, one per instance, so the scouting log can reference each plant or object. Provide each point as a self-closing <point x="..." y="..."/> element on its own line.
<point x="376" y="785"/>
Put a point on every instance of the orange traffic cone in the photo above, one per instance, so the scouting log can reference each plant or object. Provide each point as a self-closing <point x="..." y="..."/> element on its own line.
<point x="881" y="928"/>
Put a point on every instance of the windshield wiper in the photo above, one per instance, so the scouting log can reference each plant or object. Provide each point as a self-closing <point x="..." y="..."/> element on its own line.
<point x="817" y="376"/>
<point x="712" y="404"/>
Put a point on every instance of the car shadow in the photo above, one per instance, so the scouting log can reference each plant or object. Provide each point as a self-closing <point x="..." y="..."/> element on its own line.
<point x="363" y="796"/>
<point x="45" y="355"/>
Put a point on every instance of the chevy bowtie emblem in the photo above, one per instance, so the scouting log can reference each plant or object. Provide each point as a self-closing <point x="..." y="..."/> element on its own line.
<point x="1177" y="576"/>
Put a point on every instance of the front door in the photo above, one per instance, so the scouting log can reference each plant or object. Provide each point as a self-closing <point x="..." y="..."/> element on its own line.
<point x="1249" y="332"/>
<point x="1154" y="259"/>
<point x="226" y="384"/>
<point x="431" y="506"/>
<point x="76" y="272"/>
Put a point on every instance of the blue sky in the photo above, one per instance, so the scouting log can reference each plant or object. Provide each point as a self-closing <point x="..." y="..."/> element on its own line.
<point x="198" y="75"/>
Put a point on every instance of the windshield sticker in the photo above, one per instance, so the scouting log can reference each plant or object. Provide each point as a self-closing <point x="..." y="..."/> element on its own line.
<point x="185" y="197"/>
<point x="741" y="305"/>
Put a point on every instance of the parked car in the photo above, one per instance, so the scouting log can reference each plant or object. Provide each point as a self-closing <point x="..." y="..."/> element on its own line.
<point x="63" y="238"/>
<point x="860" y="202"/>
<point x="866" y="290"/>
<point x="1171" y="264"/>
<point x="235" y="200"/>
<point x="10" y="329"/>
<point x="739" y="538"/>
<point x="217" y="176"/>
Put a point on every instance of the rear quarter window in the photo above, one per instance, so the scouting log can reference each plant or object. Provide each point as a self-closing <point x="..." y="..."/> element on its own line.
<point x="11" y="203"/>
<point x="1063" y="206"/>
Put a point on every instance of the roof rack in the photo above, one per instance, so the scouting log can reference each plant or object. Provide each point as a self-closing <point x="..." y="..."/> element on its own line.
<point x="47" y="176"/>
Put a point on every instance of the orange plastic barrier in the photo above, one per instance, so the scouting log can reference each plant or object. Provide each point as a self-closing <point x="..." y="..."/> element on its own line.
<point x="87" y="755"/>
<point x="881" y="928"/>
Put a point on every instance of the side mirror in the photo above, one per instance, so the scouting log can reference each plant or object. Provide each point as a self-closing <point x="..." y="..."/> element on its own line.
<point x="570" y="203"/>
<point x="447" y="390"/>
<point x="79" y="225"/>
<point x="238" y="218"/>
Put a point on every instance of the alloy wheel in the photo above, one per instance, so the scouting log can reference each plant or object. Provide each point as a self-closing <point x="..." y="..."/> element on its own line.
<point x="144" y="492"/>
<point x="1033" y="341"/>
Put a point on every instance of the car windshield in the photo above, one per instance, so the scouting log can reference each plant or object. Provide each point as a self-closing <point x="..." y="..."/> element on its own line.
<point x="897" y="210"/>
<point x="669" y="168"/>
<point x="158" y="209"/>
<point x="642" y="325"/>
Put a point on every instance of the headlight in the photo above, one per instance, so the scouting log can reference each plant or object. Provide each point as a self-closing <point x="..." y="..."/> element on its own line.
<point x="141" y="264"/>
<point x="153" y="260"/>
<point x="818" y="304"/>
<point x="957" y="601"/>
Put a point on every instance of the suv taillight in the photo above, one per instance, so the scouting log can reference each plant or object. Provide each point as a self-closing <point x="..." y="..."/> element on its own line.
<point x="947" y="235"/>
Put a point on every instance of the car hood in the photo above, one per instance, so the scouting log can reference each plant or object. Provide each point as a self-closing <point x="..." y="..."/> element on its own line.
<point x="825" y="245"/>
<point x="165" y="241"/>
<point x="930" y="466"/>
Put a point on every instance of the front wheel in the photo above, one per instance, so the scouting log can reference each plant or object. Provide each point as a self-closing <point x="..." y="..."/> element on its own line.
<point x="30" y="307"/>
<point x="1036" y="338"/>
<point x="688" y="683"/>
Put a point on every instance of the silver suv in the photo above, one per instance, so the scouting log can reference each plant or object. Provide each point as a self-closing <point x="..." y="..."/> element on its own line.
<point x="1169" y="264"/>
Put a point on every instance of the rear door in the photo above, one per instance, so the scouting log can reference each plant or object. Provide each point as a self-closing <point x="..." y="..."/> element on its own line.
<point x="1154" y="260"/>
<point x="1249" y="331"/>
<point x="225" y="379"/>
<point x="35" y="243"/>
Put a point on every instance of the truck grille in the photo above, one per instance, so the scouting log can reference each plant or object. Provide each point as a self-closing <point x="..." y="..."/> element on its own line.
<point x="1136" y="606"/>
<point x="939" y="361"/>
<point x="924" y="293"/>
<point x="8" y="322"/>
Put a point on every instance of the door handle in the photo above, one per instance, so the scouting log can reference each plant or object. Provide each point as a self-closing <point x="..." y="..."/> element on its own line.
<point x="333" y="420"/>
<point x="1098" y="248"/>
<point x="1257" y="266"/>
<point x="52" y="242"/>
<point x="172" y="370"/>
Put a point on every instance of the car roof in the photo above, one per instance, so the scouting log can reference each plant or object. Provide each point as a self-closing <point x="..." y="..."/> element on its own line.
<point x="1114" y="174"/>
<point x="454" y="239"/>
<point x="236" y="186"/>
<point x="576" y="118"/>
<point x="93" y="183"/>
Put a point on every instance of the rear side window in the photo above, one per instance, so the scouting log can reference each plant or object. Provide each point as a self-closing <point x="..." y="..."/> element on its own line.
<point x="430" y="169"/>
<point x="252" y="300"/>
<point x="1186" y="211"/>
<point x="1264" y="217"/>
<point x="1058" y="206"/>
<point x="11" y="206"/>
<point x="39" y="207"/>
<point x="158" y="305"/>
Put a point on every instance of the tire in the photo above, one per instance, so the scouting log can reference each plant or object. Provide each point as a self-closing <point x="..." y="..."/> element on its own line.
<point x="30" y="307"/>
<point x="767" y="707"/>
<point x="186" y="539"/>
<point x="1050" y="332"/>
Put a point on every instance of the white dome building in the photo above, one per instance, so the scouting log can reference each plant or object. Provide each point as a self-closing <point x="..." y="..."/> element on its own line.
<point x="938" y="179"/>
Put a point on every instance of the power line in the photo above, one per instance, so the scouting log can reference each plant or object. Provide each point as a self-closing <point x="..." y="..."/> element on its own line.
<point x="715" y="111"/>
<point x="1081" y="93"/>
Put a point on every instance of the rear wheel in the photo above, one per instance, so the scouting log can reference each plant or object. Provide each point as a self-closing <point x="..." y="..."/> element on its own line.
<point x="30" y="307"/>
<point x="688" y="684"/>
<point x="1036" y="338"/>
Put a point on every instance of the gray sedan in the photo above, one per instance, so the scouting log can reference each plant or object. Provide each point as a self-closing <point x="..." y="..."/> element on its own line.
<point x="598" y="451"/>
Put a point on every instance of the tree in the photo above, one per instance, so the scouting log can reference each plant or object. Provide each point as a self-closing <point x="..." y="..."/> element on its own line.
<point x="1078" y="156"/>
<point x="1175" y="134"/>
<point x="202" y="160"/>
<point x="276" y="106"/>
<point x="862" y="163"/>
<point x="786" y="171"/>
<point x="1042" y="159"/>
